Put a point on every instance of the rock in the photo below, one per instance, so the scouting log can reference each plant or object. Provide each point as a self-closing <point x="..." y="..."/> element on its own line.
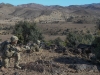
<point x="80" y="67"/>
<point x="36" y="67"/>
<point x="16" y="73"/>
<point x="95" y="68"/>
<point x="84" y="67"/>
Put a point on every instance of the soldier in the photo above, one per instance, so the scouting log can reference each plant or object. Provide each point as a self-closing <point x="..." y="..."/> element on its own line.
<point x="36" y="46"/>
<point x="11" y="50"/>
<point x="38" y="43"/>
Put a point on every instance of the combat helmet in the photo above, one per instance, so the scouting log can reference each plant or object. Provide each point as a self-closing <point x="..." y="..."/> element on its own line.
<point x="38" y="42"/>
<point x="13" y="38"/>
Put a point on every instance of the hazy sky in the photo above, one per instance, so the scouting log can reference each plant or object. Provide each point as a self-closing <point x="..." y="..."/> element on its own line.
<point x="51" y="2"/>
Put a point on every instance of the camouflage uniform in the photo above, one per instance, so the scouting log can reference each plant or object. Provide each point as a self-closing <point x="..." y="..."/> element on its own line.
<point x="11" y="51"/>
<point x="38" y="42"/>
<point x="36" y="46"/>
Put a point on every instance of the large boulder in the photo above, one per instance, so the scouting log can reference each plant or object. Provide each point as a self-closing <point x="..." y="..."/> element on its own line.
<point x="85" y="68"/>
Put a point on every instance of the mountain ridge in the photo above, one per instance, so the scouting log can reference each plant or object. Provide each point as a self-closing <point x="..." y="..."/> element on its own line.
<point x="50" y="14"/>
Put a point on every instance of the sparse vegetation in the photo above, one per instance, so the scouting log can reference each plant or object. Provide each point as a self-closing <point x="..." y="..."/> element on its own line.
<point x="62" y="27"/>
<point x="73" y="39"/>
<point x="98" y="24"/>
<point x="27" y="31"/>
<point x="97" y="41"/>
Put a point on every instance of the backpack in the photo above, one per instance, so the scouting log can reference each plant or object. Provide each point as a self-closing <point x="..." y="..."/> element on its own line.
<point x="2" y="45"/>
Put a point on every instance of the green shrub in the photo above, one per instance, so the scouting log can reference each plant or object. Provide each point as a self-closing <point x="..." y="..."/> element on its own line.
<point x="97" y="41"/>
<point x="73" y="39"/>
<point x="57" y="41"/>
<point x="97" y="48"/>
<point x="98" y="24"/>
<point x="27" y="31"/>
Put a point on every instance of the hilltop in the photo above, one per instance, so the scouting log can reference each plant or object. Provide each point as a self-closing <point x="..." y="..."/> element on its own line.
<point x="49" y="14"/>
<point x="54" y="22"/>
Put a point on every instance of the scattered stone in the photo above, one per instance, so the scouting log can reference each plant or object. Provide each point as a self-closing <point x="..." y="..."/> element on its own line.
<point x="16" y="73"/>
<point x="84" y="67"/>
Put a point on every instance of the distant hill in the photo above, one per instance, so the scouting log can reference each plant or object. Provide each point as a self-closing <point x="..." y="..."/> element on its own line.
<point x="50" y="14"/>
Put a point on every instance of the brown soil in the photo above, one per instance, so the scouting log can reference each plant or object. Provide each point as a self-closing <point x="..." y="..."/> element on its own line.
<point x="46" y="63"/>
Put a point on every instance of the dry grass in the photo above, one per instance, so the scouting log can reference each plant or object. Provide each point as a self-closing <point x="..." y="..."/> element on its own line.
<point x="47" y="28"/>
<point x="5" y="37"/>
<point x="52" y="28"/>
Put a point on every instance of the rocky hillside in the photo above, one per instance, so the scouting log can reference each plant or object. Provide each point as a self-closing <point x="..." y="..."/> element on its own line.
<point x="50" y="14"/>
<point x="48" y="62"/>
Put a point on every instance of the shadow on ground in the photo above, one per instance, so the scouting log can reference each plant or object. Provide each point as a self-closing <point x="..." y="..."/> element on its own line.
<point x="71" y="60"/>
<point x="78" y="63"/>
